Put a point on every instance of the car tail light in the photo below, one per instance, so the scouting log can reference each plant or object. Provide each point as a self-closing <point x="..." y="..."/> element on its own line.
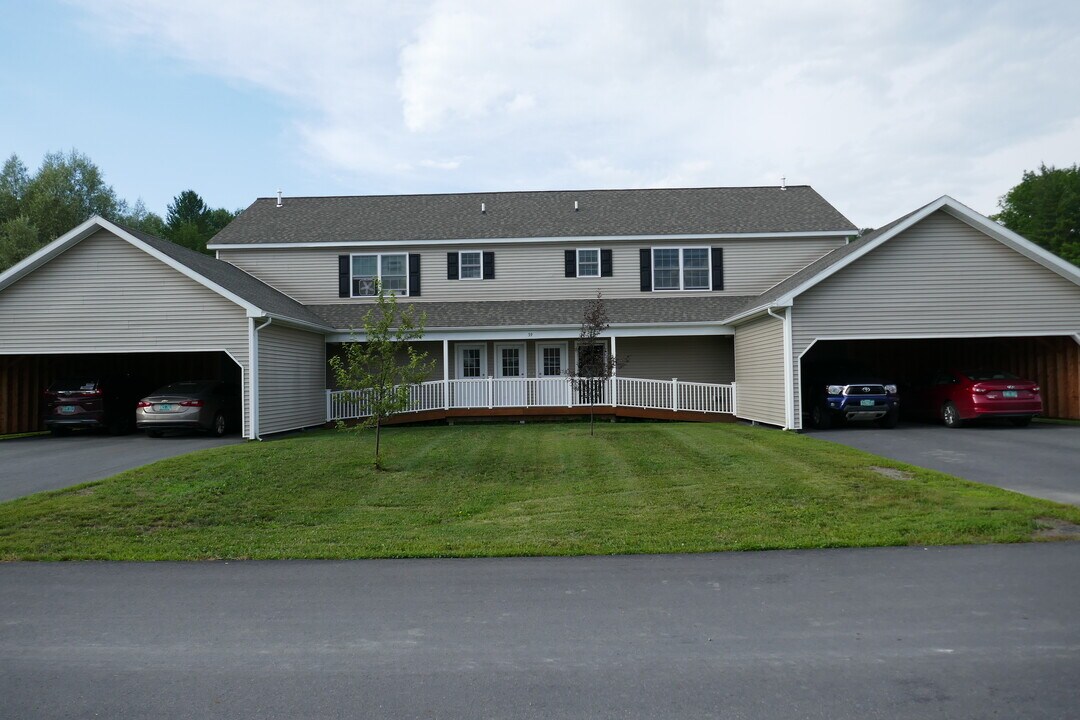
<point x="191" y="403"/>
<point x="978" y="389"/>
<point x="143" y="403"/>
<point x="1035" y="389"/>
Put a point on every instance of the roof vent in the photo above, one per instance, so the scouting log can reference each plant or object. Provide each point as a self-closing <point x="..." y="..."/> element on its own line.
<point x="483" y="208"/>
<point x="279" y="198"/>
<point x="783" y="182"/>
<point x="575" y="206"/>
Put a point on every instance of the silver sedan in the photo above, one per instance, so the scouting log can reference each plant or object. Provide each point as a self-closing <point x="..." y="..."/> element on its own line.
<point x="207" y="405"/>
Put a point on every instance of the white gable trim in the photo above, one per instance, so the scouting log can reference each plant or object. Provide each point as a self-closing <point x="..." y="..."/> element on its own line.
<point x="88" y="228"/>
<point x="957" y="210"/>
<point x="961" y="212"/>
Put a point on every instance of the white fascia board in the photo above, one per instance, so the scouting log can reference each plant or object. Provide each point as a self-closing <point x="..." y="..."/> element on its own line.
<point x="549" y="332"/>
<point x="963" y="213"/>
<point x="836" y="267"/>
<point x="40" y="257"/>
<point x="1013" y="240"/>
<point x="531" y="240"/>
<point x="754" y="312"/>
<point x="298" y="324"/>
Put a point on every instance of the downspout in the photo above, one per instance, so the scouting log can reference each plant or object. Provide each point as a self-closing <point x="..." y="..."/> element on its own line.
<point x="253" y="350"/>
<point x="789" y="370"/>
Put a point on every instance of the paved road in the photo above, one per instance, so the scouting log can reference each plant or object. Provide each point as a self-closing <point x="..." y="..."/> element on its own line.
<point x="1041" y="460"/>
<point x="962" y="632"/>
<point x="30" y="465"/>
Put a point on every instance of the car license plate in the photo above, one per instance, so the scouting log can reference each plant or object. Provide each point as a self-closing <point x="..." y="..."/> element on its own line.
<point x="165" y="407"/>
<point x="866" y="403"/>
<point x="66" y="409"/>
<point x="1009" y="393"/>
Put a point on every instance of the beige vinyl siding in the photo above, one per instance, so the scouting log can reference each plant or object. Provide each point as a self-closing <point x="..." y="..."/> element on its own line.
<point x="941" y="277"/>
<point x="292" y="379"/>
<point x="759" y="370"/>
<point x="531" y="271"/>
<point x="690" y="359"/>
<point x="106" y="296"/>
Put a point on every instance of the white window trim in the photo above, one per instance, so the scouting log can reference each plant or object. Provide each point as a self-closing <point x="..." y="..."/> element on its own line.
<point x="682" y="282"/>
<point x="577" y="261"/>
<point x="378" y="262"/>
<point x="563" y="356"/>
<point x="522" y="356"/>
<point x="459" y="363"/>
<point x="478" y="252"/>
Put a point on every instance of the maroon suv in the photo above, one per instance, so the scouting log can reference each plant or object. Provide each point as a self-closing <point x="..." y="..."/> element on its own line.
<point x="90" y="401"/>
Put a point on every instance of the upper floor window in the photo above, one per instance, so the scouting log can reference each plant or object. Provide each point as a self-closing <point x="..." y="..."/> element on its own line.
<point x="681" y="269"/>
<point x="471" y="265"/>
<point x="390" y="270"/>
<point x="588" y="263"/>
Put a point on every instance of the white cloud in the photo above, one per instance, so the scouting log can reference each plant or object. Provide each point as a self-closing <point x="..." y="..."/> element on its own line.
<point x="881" y="106"/>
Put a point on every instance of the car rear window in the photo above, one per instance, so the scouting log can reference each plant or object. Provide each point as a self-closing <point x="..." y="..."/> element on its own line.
<point x="990" y="375"/>
<point x="74" y="385"/>
<point x="184" y="388"/>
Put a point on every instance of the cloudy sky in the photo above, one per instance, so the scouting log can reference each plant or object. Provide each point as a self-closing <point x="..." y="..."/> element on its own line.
<point x="881" y="106"/>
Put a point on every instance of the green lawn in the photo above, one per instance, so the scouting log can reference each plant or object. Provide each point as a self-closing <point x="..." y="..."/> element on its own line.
<point x="543" y="489"/>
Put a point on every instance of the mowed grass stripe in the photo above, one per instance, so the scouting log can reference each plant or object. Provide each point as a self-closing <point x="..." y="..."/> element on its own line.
<point x="507" y="489"/>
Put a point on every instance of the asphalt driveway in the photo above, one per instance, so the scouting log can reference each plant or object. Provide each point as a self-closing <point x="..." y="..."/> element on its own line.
<point x="914" y="633"/>
<point x="1041" y="460"/>
<point x="33" y="464"/>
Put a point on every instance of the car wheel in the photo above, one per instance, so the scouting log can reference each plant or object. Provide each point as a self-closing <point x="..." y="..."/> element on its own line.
<point x="1021" y="421"/>
<point x="220" y="426"/>
<point x="891" y="419"/>
<point x="153" y="433"/>
<point x="951" y="416"/>
<point x="821" y="418"/>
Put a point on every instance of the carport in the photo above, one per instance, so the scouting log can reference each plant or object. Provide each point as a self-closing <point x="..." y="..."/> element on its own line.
<point x="938" y="287"/>
<point x="108" y="299"/>
<point x="24" y="377"/>
<point x="1052" y="361"/>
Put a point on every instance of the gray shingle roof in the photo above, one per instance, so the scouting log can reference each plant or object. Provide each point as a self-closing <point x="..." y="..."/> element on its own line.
<point x="523" y="313"/>
<point x="231" y="278"/>
<point x="535" y="214"/>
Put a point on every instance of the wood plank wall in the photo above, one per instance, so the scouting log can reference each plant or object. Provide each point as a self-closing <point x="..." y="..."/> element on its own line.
<point x="23" y="378"/>
<point x="1053" y="362"/>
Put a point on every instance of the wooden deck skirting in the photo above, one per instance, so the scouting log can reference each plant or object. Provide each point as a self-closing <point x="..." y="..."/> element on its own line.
<point x="541" y="413"/>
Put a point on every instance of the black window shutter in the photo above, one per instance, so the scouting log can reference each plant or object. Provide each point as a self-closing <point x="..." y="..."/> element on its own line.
<point x="605" y="263"/>
<point x="646" y="269"/>
<point x="414" y="273"/>
<point x="570" y="261"/>
<point x="451" y="266"/>
<point x="489" y="265"/>
<point x="717" y="268"/>
<point x="344" y="278"/>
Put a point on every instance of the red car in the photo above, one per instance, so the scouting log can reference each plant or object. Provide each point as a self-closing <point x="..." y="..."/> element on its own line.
<point x="956" y="396"/>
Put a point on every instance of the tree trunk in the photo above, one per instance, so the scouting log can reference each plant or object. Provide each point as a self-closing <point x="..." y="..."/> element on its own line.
<point x="378" y="431"/>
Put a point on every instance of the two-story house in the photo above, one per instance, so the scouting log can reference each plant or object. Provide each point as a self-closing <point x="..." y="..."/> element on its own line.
<point x="716" y="297"/>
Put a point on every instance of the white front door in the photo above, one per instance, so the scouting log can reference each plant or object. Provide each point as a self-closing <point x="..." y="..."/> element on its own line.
<point x="470" y="387"/>
<point x="553" y="389"/>
<point x="510" y="386"/>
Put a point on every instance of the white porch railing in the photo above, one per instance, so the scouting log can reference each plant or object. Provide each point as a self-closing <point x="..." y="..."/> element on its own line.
<point x="490" y="392"/>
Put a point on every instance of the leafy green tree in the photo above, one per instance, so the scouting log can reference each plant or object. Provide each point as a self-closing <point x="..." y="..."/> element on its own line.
<point x="1045" y="208"/>
<point x="139" y="218"/>
<point x="384" y="364"/>
<point x="217" y="219"/>
<point x="18" y="238"/>
<point x="65" y="191"/>
<point x="14" y="179"/>
<point x="187" y="208"/>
